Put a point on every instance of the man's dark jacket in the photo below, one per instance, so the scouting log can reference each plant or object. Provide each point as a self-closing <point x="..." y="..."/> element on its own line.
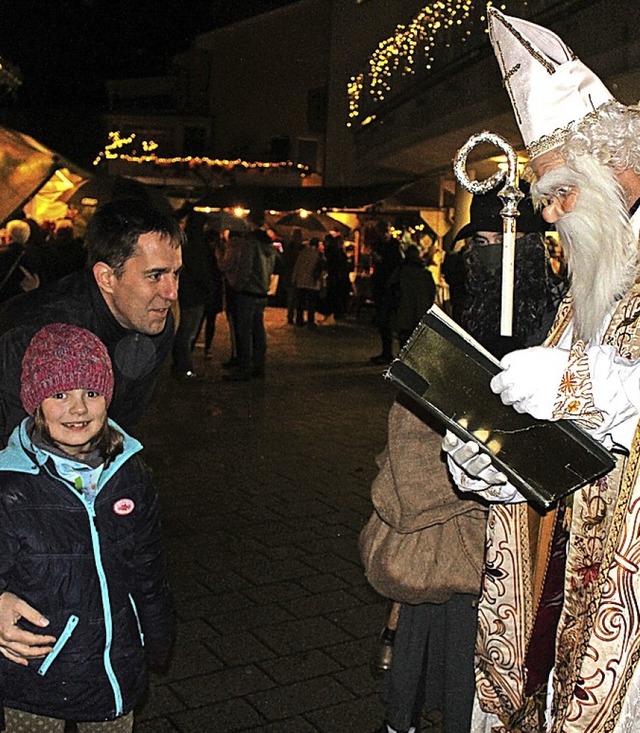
<point x="76" y="299"/>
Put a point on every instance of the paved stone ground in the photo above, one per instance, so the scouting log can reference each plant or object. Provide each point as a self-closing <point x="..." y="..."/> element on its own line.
<point x="265" y="487"/>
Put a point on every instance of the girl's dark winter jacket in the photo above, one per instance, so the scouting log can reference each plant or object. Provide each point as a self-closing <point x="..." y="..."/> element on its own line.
<point x="96" y="570"/>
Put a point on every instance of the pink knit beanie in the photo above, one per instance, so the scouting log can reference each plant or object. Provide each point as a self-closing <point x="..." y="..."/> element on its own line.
<point x="62" y="357"/>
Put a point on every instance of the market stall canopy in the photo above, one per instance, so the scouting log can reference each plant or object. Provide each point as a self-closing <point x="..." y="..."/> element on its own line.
<point x="25" y="167"/>
<point x="226" y="221"/>
<point x="319" y="224"/>
<point x="49" y="203"/>
<point x="292" y="198"/>
<point x="99" y="189"/>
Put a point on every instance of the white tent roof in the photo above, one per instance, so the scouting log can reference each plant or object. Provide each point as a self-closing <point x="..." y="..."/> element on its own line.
<point x="33" y="177"/>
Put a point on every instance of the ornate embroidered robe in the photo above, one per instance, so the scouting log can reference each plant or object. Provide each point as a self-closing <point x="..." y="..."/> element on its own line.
<point x="563" y="590"/>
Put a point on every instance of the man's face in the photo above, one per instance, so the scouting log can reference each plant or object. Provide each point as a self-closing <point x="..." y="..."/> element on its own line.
<point x="486" y="251"/>
<point x="142" y="295"/>
<point x="559" y="199"/>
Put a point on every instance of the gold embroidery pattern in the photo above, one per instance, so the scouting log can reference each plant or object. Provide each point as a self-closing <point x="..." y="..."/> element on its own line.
<point x="622" y="334"/>
<point x="610" y="648"/>
<point x="542" y="60"/>
<point x="598" y="640"/>
<point x="505" y="603"/>
<point x="598" y="637"/>
<point x="575" y="396"/>
<point x="557" y="137"/>
<point x="561" y="321"/>
<point x="591" y="524"/>
<point x="505" y="615"/>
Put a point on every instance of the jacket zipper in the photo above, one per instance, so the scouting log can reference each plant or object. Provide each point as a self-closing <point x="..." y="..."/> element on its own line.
<point x="137" y="615"/>
<point x="104" y="595"/>
<point x="106" y="608"/>
<point x="71" y="624"/>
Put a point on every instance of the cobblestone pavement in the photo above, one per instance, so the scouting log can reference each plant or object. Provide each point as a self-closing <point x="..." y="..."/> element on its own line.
<point x="265" y="486"/>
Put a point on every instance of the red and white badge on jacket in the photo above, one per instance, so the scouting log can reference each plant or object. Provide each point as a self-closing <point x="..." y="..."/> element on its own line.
<point x="122" y="507"/>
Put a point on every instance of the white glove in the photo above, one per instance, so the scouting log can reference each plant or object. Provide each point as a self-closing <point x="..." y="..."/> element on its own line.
<point x="472" y="470"/>
<point x="530" y="379"/>
<point x="616" y="394"/>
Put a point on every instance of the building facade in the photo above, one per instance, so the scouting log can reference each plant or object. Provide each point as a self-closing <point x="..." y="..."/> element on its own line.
<point x="354" y="92"/>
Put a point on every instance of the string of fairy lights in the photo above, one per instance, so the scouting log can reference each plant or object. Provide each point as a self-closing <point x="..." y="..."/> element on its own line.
<point x="410" y="45"/>
<point x="124" y="147"/>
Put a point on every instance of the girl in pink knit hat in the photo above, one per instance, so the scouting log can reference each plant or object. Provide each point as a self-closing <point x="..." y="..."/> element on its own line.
<point x="80" y="542"/>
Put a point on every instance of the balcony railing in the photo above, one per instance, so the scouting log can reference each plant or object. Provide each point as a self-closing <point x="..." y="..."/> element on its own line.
<point x="444" y="36"/>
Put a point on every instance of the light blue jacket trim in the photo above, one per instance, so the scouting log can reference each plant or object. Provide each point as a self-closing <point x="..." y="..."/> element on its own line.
<point x="57" y="647"/>
<point x="20" y="453"/>
<point x="137" y="615"/>
<point x="106" y="606"/>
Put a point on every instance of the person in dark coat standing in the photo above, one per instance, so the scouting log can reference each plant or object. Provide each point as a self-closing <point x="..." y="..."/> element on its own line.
<point x="387" y="255"/>
<point x="336" y="301"/>
<point x="197" y="286"/>
<point x="290" y="252"/>
<point x="215" y="299"/>
<point x="252" y="278"/>
<point x="414" y="290"/>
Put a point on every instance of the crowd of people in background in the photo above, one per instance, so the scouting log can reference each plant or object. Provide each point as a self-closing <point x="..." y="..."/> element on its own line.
<point x="32" y="255"/>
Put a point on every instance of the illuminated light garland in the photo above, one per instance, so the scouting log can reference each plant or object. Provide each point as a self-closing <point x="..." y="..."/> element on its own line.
<point x="195" y="162"/>
<point x="410" y="44"/>
<point x="117" y="142"/>
<point x="112" y="151"/>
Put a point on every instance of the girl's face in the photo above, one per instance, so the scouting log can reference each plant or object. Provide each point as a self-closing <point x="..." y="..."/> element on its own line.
<point x="74" y="418"/>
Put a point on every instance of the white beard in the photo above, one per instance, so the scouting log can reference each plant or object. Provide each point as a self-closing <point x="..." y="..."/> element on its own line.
<point x="597" y="238"/>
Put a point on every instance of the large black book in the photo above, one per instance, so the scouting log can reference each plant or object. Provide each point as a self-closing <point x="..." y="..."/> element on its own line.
<point x="445" y="370"/>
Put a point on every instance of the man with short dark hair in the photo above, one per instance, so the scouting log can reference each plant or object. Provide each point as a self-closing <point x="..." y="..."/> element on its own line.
<point x="124" y="296"/>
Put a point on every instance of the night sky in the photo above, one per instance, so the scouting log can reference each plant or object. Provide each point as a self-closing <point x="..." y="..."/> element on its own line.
<point x="65" y="50"/>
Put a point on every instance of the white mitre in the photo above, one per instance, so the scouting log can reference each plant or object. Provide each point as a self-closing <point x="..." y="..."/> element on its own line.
<point x="550" y="88"/>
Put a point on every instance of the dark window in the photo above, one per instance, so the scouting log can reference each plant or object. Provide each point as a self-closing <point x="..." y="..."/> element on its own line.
<point x="317" y="109"/>
<point x="194" y="140"/>
<point x="308" y="153"/>
<point x="280" y="148"/>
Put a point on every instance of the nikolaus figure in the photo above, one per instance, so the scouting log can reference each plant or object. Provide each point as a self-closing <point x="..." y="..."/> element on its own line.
<point x="559" y="617"/>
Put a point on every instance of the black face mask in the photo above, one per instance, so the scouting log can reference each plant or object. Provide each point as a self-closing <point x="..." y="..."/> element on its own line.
<point x="489" y="255"/>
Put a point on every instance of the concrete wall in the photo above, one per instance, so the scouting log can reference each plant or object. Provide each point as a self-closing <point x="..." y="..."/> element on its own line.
<point x="262" y="71"/>
<point x="357" y="28"/>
